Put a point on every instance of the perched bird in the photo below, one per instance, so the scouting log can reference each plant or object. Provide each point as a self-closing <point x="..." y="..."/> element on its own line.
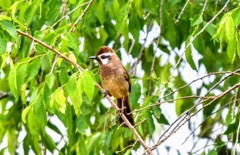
<point x="115" y="80"/>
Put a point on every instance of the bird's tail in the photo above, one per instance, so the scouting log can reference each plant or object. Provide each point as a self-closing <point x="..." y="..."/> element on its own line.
<point x="124" y="106"/>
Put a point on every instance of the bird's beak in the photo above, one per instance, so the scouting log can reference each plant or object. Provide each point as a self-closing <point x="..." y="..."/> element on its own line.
<point x="93" y="57"/>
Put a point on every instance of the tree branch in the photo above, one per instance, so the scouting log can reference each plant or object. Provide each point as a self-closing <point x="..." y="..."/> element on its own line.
<point x="81" y="16"/>
<point x="96" y="84"/>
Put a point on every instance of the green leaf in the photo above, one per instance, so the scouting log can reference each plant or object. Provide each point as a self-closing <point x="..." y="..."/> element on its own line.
<point x="189" y="57"/>
<point x="33" y="69"/>
<point x="163" y="120"/>
<point x="196" y="20"/>
<point x="169" y="96"/>
<point x="31" y="11"/>
<point x="212" y="152"/>
<point x="238" y="43"/>
<point x="135" y="95"/>
<point x="24" y="113"/>
<point x="32" y="124"/>
<point x="76" y="97"/>
<point x="81" y="124"/>
<point x="150" y="124"/>
<point x="183" y="105"/>
<point x="138" y="8"/>
<point x="134" y="26"/>
<point x="50" y="79"/>
<point x="21" y="74"/>
<point x="211" y="28"/>
<point x="101" y="11"/>
<point x="40" y="112"/>
<point x="72" y="41"/>
<point x="229" y="37"/>
<point x="3" y="43"/>
<point x="82" y="146"/>
<point x="49" y="142"/>
<point x="8" y="26"/>
<point x="88" y="84"/>
<point x="60" y="100"/>
<point x="233" y="127"/>
<point x="156" y="111"/>
<point x="12" y="81"/>
<point x="71" y="85"/>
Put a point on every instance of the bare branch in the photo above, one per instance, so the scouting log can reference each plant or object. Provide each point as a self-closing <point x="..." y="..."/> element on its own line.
<point x="160" y="141"/>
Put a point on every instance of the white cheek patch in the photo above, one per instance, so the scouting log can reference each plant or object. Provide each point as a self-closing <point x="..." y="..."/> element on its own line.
<point x="105" y="61"/>
<point x="105" y="58"/>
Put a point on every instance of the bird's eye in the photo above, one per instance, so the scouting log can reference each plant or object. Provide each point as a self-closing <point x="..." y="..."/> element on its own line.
<point x="105" y="56"/>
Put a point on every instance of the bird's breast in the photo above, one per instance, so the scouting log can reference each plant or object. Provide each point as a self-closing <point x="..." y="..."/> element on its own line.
<point x="114" y="82"/>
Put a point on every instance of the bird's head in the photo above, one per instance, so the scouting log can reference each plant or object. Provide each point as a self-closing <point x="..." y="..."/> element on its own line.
<point x="104" y="56"/>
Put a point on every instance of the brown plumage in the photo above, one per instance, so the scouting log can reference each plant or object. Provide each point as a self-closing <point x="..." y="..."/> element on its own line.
<point x="115" y="79"/>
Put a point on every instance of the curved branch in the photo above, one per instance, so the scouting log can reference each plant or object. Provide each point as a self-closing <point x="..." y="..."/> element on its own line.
<point x="147" y="149"/>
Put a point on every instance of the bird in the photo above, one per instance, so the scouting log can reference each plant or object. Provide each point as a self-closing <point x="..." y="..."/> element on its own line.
<point x="115" y="80"/>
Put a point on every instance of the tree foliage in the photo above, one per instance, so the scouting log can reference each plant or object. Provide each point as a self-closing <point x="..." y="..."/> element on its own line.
<point x="47" y="80"/>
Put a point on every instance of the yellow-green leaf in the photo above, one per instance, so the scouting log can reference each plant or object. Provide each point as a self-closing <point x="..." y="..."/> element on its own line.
<point x="3" y="43"/>
<point x="88" y="84"/>
<point x="24" y="113"/>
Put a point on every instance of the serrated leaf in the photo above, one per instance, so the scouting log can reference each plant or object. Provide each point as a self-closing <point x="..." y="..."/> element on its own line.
<point x="88" y="84"/>
<point x="33" y="69"/>
<point x="8" y="26"/>
<point x="3" y="43"/>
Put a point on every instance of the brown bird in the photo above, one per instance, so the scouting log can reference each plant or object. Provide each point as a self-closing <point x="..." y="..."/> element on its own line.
<point x="115" y="80"/>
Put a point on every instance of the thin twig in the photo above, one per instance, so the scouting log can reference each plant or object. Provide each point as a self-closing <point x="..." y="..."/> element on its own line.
<point x="81" y="16"/>
<point x="96" y="84"/>
<point x="68" y="14"/>
<point x="194" y="37"/>
<point x="184" y="7"/>
<point x="50" y="48"/>
<point x="179" y="126"/>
